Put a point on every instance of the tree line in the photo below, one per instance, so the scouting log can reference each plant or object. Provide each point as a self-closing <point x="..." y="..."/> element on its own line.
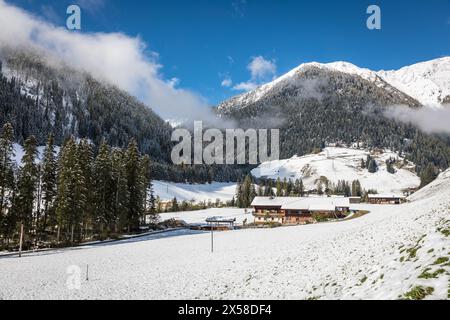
<point x="249" y="188"/>
<point x="79" y="193"/>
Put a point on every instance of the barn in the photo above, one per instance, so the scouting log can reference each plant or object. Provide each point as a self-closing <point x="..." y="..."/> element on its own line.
<point x="386" y="199"/>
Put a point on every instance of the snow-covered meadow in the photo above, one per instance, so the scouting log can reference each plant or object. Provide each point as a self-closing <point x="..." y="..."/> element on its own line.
<point x="378" y="256"/>
<point x="342" y="164"/>
<point x="195" y="192"/>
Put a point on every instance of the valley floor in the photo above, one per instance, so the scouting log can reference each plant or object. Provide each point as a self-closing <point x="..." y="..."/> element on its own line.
<point x="378" y="256"/>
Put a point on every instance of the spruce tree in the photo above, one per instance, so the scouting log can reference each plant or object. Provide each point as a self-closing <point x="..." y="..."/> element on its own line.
<point x="146" y="183"/>
<point x="428" y="175"/>
<point x="372" y="166"/>
<point x="49" y="176"/>
<point x="279" y="187"/>
<point x="67" y="200"/>
<point x="121" y="196"/>
<point x="85" y="188"/>
<point x="27" y="186"/>
<point x="104" y="190"/>
<point x="132" y="165"/>
<point x="7" y="177"/>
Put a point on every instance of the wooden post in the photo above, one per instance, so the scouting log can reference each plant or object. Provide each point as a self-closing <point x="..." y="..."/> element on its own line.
<point x="212" y="238"/>
<point x="87" y="272"/>
<point x="21" y="240"/>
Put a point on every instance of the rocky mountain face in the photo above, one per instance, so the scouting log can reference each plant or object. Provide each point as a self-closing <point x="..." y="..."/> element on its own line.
<point x="315" y="104"/>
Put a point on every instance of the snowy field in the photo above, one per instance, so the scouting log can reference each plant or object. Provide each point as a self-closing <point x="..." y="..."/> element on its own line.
<point x="199" y="217"/>
<point x="198" y="192"/>
<point x="341" y="164"/>
<point x="377" y="256"/>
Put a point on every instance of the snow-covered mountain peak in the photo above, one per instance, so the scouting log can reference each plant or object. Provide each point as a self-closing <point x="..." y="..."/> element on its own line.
<point x="428" y="82"/>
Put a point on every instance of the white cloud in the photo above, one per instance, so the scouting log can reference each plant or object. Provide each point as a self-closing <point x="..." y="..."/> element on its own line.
<point x="114" y="57"/>
<point x="245" y="86"/>
<point x="261" y="70"/>
<point x="227" y="82"/>
<point x="427" y="119"/>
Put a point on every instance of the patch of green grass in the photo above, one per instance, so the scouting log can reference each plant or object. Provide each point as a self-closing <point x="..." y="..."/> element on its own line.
<point x="441" y="260"/>
<point x="444" y="231"/>
<point x="313" y="298"/>
<point x="413" y="252"/>
<point x="364" y="279"/>
<point x="418" y="293"/>
<point x="427" y="275"/>
<point x="430" y="251"/>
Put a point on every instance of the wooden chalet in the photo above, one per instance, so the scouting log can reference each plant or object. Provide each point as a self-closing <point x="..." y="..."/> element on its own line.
<point x="297" y="210"/>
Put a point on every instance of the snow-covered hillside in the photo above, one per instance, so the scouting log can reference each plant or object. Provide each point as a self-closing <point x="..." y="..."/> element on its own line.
<point x="428" y="82"/>
<point x="386" y="254"/>
<point x="343" y="164"/>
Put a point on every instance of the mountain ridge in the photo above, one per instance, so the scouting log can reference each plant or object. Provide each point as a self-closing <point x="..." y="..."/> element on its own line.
<point x="417" y="80"/>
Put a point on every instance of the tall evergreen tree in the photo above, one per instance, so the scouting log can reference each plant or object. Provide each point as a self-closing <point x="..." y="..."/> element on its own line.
<point x="67" y="200"/>
<point x="85" y="160"/>
<point x="104" y="190"/>
<point x="428" y="175"/>
<point x="48" y="184"/>
<point x="134" y="181"/>
<point x="7" y="178"/>
<point x="27" y="186"/>
<point x="121" y="195"/>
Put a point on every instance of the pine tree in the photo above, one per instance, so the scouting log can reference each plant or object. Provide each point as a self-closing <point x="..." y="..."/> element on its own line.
<point x="428" y="175"/>
<point x="85" y="160"/>
<point x="132" y="165"/>
<point x="7" y="177"/>
<point x="152" y="204"/>
<point x="356" y="189"/>
<point x="175" y="207"/>
<point x="67" y="206"/>
<point x="27" y="186"/>
<point x="279" y="187"/>
<point x="49" y="181"/>
<point x="248" y="192"/>
<point x="121" y="196"/>
<point x="146" y="183"/>
<point x="239" y="201"/>
<point x="373" y="167"/>
<point x="104" y="190"/>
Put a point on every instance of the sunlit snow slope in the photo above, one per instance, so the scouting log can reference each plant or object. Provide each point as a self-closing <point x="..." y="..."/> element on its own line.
<point x="343" y="164"/>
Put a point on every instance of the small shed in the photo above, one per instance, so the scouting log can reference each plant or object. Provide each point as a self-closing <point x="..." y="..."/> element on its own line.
<point x="220" y="223"/>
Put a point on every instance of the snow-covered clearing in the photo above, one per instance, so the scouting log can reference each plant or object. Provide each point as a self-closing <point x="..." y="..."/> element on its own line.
<point x="197" y="192"/>
<point x="342" y="164"/>
<point x="377" y="256"/>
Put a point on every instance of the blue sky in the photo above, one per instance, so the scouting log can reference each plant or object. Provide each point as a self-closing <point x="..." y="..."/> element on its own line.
<point x="204" y="42"/>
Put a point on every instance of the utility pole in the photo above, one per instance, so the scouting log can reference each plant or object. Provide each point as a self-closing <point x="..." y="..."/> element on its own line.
<point x="21" y="240"/>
